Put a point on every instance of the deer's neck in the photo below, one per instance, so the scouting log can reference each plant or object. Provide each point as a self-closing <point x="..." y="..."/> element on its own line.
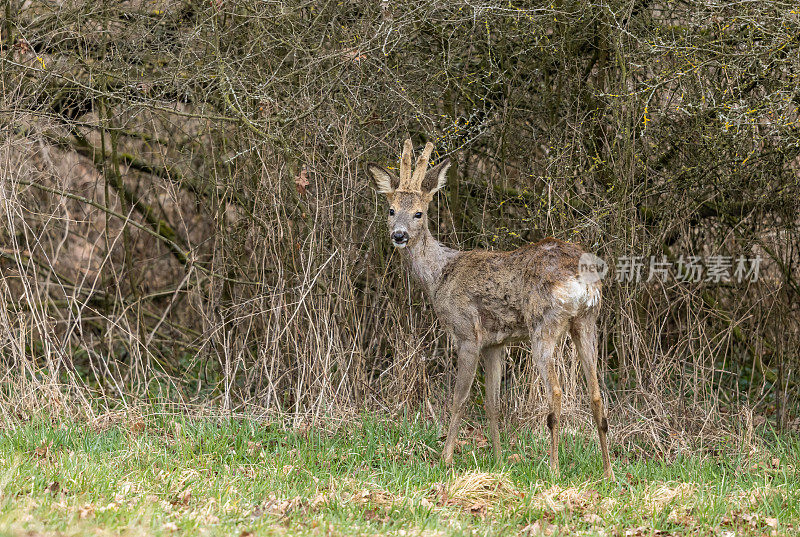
<point x="428" y="258"/>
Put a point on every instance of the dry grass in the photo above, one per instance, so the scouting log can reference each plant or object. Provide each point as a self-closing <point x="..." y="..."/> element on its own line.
<point x="660" y="495"/>
<point x="558" y="498"/>
<point x="477" y="492"/>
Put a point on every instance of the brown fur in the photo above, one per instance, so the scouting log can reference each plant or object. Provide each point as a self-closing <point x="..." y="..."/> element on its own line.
<point x="487" y="300"/>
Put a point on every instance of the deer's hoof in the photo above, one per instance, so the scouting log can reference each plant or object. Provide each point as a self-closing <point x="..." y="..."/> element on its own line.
<point x="554" y="470"/>
<point x="447" y="458"/>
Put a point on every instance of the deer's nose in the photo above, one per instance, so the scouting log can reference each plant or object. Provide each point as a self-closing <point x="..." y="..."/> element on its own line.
<point x="400" y="237"/>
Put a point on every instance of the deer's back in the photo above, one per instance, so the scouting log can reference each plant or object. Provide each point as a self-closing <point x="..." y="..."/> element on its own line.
<point x="497" y="295"/>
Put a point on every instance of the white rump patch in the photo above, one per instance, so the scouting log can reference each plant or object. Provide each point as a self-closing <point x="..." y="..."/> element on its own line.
<point x="577" y="293"/>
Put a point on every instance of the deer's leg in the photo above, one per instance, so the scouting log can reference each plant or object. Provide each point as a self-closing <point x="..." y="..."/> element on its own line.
<point x="493" y="364"/>
<point x="543" y="349"/>
<point x="584" y="335"/>
<point x="468" y="354"/>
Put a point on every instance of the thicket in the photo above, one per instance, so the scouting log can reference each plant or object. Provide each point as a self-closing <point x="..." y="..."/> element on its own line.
<point x="186" y="218"/>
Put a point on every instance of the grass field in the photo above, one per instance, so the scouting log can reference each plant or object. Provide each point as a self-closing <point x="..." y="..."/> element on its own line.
<point x="164" y="475"/>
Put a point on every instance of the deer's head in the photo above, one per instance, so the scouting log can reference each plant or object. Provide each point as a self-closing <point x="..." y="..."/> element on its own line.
<point x="410" y="193"/>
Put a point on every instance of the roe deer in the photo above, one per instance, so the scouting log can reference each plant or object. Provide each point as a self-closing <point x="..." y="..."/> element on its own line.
<point x="487" y="300"/>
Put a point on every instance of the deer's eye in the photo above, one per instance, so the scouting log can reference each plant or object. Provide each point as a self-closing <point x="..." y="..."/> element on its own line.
<point x="391" y="212"/>
<point x="418" y="215"/>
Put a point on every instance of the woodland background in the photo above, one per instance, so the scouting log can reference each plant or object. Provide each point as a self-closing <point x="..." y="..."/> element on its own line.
<point x="186" y="218"/>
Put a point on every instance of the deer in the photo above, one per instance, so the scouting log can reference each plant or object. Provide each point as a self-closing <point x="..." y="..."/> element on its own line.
<point x="486" y="300"/>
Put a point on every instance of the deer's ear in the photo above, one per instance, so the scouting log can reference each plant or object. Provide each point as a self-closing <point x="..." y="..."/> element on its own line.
<point x="385" y="181"/>
<point x="436" y="177"/>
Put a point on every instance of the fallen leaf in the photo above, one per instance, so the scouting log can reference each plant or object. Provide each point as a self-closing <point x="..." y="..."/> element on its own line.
<point x="301" y="181"/>
<point x="439" y="491"/>
<point x="681" y="516"/>
<point x="278" y="506"/>
<point x="184" y="497"/>
<point x="478" y="509"/>
<point x="476" y="437"/>
<point x="376" y="515"/>
<point x="136" y="426"/>
<point x="540" y="527"/>
<point x="354" y="55"/>
<point x="592" y="518"/>
<point x="317" y="499"/>
<point x="515" y="458"/>
<point x="110" y="507"/>
<point x="42" y="451"/>
<point x="22" y="46"/>
<point x="750" y="518"/>
<point x="123" y="492"/>
<point x="303" y="428"/>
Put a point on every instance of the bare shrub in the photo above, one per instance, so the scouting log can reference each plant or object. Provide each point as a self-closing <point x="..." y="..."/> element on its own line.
<point x="185" y="218"/>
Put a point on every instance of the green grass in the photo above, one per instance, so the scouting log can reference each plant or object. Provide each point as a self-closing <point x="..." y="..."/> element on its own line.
<point x="165" y="475"/>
